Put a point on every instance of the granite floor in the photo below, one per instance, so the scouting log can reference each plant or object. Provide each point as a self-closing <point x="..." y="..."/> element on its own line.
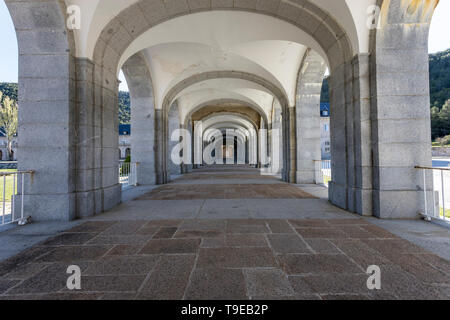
<point x="173" y="247"/>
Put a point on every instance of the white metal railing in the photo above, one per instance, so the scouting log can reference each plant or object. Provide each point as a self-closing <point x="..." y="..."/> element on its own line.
<point x="323" y="172"/>
<point x="128" y="174"/>
<point x="440" y="193"/>
<point x="12" y="190"/>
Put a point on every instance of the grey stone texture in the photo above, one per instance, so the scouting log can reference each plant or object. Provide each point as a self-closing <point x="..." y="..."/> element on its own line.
<point x="380" y="120"/>
<point x="174" y="124"/>
<point x="400" y="140"/>
<point x="139" y="82"/>
<point x="309" y="88"/>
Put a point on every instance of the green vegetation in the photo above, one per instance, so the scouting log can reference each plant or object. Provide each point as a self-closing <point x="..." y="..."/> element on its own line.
<point x="9" y="185"/>
<point x="9" y="90"/>
<point x="124" y="107"/>
<point x="125" y="166"/>
<point x="447" y="212"/>
<point x="442" y="142"/>
<point x="9" y="121"/>
<point x="440" y="123"/>
<point x="439" y="78"/>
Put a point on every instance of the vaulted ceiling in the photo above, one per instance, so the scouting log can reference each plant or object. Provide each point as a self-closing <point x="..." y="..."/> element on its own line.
<point x="258" y="46"/>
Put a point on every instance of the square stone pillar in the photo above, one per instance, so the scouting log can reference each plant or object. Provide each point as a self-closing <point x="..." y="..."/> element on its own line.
<point x="87" y="142"/>
<point x="309" y="89"/>
<point x="338" y="186"/>
<point x="363" y="187"/>
<point x="47" y="123"/>
<point x="143" y="139"/>
<point x="139" y="82"/>
<point x="401" y="129"/>
<point x="174" y="124"/>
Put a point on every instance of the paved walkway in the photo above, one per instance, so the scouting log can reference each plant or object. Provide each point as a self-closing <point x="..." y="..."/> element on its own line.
<point x="242" y="239"/>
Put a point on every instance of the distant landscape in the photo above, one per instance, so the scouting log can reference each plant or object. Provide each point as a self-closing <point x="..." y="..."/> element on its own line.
<point x="439" y="97"/>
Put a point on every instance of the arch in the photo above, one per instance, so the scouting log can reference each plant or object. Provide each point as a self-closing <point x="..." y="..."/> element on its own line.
<point x="172" y="94"/>
<point x="258" y="97"/>
<point x="247" y="138"/>
<point x="120" y="32"/>
<point x="254" y="106"/>
<point x="162" y="115"/>
<point x="308" y="17"/>
<point x="237" y="122"/>
<point x="232" y="115"/>
<point x="221" y="118"/>
<point x="222" y="126"/>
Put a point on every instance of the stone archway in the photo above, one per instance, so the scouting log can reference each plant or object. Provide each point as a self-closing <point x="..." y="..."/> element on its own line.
<point x="81" y="99"/>
<point x="119" y="33"/>
<point x="220" y="102"/>
<point x="162" y="117"/>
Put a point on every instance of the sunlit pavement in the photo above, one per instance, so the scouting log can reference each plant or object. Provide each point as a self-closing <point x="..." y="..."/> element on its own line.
<point x="226" y="233"/>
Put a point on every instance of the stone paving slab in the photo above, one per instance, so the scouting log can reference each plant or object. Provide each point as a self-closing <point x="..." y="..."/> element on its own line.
<point x="230" y="191"/>
<point x="225" y="259"/>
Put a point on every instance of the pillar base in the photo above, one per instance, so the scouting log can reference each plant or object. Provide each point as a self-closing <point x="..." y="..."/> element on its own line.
<point x="162" y="177"/>
<point x="398" y="204"/>
<point x="337" y="195"/>
<point x="306" y="177"/>
<point x="48" y="207"/>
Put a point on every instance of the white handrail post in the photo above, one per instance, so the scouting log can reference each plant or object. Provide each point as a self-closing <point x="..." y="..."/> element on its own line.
<point x="425" y="191"/>
<point x="23" y="194"/>
<point x="443" y="194"/>
<point x="13" y="200"/>
<point x="434" y="197"/>
<point x="4" y="199"/>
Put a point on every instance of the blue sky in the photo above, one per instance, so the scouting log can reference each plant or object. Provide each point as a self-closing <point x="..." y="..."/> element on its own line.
<point x="439" y="40"/>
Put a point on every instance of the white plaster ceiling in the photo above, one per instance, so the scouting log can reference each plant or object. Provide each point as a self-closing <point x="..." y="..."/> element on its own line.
<point x="240" y="131"/>
<point x="228" y="120"/>
<point x="96" y="14"/>
<point x="223" y="89"/>
<point x="222" y="41"/>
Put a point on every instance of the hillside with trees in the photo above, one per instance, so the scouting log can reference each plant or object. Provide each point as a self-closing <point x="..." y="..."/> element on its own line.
<point x="440" y="78"/>
<point x="124" y="107"/>
<point x="11" y="89"/>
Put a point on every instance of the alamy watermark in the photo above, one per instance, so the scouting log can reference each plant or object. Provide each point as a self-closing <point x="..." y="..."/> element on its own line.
<point x="374" y="280"/>
<point x="74" y="280"/>
<point x="73" y="17"/>
<point x="230" y="146"/>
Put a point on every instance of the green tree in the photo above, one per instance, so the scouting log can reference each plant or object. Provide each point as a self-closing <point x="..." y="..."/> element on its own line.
<point x="124" y="107"/>
<point x="8" y="121"/>
<point x="440" y="121"/>
<point x="444" y="117"/>
<point x="435" y="123"/>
